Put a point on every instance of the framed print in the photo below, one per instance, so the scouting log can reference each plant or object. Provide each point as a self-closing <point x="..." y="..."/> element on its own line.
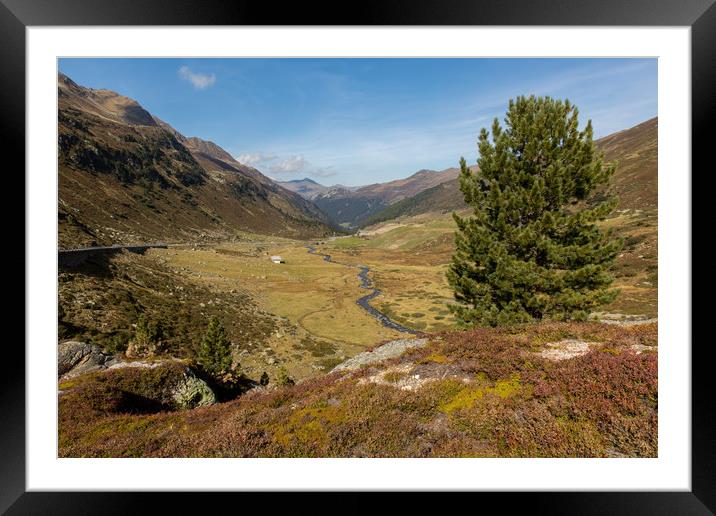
<point x="417" y="249"/>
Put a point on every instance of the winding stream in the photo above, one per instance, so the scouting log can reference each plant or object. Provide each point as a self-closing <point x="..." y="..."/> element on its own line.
<point x="363" y="302"/>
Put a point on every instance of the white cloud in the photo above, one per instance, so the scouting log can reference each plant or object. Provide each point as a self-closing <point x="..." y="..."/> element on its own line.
<point x="199" y="80"/>
<point x="292" y="164"/>
<point x="289" y="165"/>
<point x="254" y="158"/>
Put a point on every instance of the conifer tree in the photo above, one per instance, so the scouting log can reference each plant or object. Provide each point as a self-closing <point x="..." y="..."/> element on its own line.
<point x="147" y="339"/>
<point x="531" y="248"/>
<point x="284" y="379"/>
<point x="215" y="349"/>
<point x="148" y="332"/>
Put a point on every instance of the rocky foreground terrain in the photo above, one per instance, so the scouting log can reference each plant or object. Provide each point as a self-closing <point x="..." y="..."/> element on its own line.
<point x="546" y="390"/>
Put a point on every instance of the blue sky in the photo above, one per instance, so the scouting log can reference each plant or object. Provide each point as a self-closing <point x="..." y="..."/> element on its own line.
<point x="361" y="121"/>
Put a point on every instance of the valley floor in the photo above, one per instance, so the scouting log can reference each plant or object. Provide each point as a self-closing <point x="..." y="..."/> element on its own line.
<point x="314" y="298"/>
<point x="520" y="392"/>
<point x="301" y="316"/>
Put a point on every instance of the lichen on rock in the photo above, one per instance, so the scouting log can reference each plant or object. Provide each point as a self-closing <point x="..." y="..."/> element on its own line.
<point x="565" y="349"/>
<point x="191" y="392"/>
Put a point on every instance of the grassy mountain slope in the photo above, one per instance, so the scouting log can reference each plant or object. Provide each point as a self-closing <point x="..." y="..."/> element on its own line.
<point x="635" y="181"/>
<point x="346" y="209"/>
<point x="125" y="177"/>
<point x="393" y="191"/>
<point x="216" y="160"/>
<point x="350" y="207"/>
<point x="636" y="151"/>
<point x="441" y="198"/>
<point x="102" y="299"/>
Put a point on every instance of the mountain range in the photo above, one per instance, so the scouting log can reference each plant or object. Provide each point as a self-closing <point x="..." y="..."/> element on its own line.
<point x="634" y="181"/>
<point x="350" y="206"/>
<point x="310" y="189"/>
<point x="125" y="176"/>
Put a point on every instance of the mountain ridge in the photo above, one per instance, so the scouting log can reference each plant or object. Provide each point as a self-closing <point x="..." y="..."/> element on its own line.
<point x="635" y="181"/>
<point x="126" y="176"/>
<point x="348" y="206"/>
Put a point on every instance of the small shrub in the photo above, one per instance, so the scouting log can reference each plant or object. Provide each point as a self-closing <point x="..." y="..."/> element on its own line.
<point x="394" y="376"/>
<point x="284" y="379"/>
<point x="264" y="380"/>
<point x="147" y="337"/>
<point x="117" y="343"/>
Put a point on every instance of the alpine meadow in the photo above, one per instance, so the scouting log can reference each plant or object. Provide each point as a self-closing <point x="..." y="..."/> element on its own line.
<point x="357" y="257"/>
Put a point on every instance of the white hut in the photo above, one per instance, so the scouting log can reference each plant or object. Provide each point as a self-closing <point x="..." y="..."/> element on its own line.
<point x="277" y="259"/>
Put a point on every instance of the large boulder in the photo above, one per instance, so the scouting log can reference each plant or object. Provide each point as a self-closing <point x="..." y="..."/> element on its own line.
<point x="191" y="391"/>
<point x="144" y="386"/>
<point x="170" y="383"/>
<point x="74" y="358"/>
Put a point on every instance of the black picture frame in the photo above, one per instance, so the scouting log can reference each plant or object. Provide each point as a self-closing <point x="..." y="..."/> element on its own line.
<point x="16" y="15"/>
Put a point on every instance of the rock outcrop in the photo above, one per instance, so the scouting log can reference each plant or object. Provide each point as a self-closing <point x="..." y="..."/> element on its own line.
<point x="566" y="349"/>
<point x="74" y="358"/>
<point x="391" y="349"/>
<point x="167" y="383"/>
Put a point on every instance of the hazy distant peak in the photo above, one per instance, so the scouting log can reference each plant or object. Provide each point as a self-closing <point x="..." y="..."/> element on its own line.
<point x="306" y="187"/>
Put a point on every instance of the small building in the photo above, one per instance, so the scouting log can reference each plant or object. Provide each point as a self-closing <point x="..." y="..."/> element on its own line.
<point x="277" y="259"/>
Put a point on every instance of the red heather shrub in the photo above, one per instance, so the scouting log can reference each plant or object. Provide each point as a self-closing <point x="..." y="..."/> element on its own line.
<point x="484" y="351"/>
<point x="617" y="393"/>
<point x="598" y="383"/>
<point x="515" y="404"/>
<point x="527" y="429"/>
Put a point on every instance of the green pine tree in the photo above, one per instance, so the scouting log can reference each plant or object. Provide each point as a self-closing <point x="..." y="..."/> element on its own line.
<point x="215" y="349"/>
<point x="141" y="333"/>
<point x="531" y="248"/>
<point x="148" y="332"/>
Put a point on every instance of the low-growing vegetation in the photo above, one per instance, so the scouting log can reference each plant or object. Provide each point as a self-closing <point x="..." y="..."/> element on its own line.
<point x="479" y="393"/>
